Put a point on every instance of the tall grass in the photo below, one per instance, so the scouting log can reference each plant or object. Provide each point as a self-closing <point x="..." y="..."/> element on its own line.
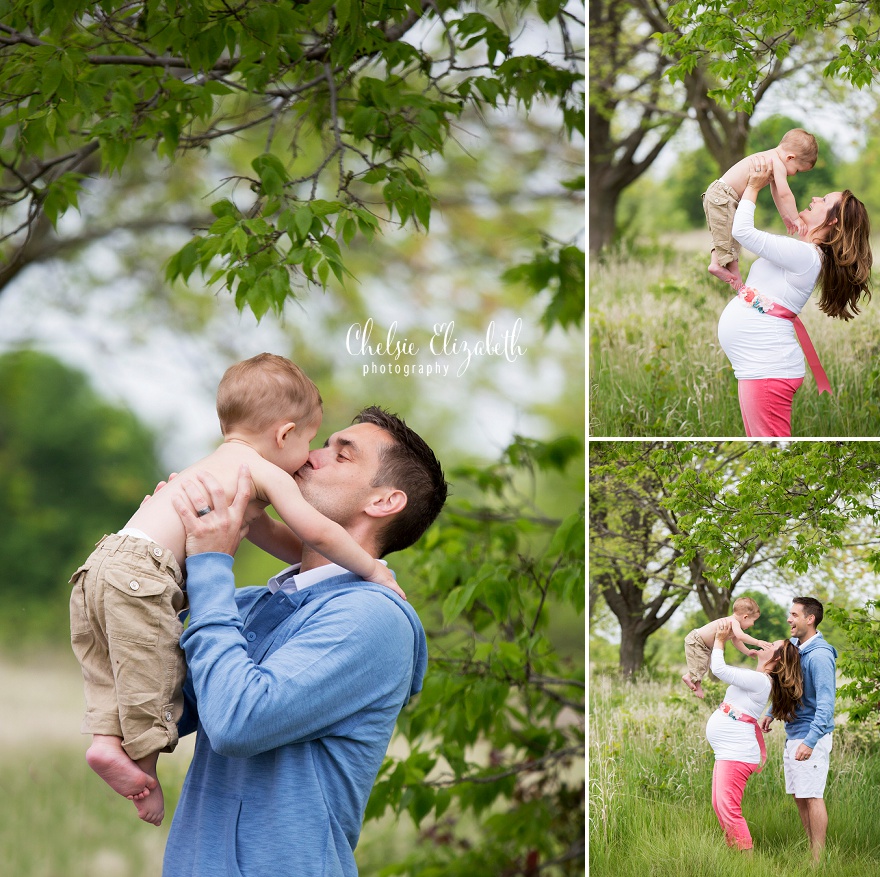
<point x="656" y="367"/>
<point x="650" y="809"/>
<point x="58" y="819"/>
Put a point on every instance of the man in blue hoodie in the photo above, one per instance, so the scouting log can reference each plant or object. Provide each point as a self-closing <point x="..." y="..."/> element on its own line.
<point x="808" y="737"/>
<point x="294" y="689"/>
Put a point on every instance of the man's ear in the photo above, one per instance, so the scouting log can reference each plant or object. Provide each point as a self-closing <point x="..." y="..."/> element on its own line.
<point x="282" y="431"/>
<point x="386" y="504"/>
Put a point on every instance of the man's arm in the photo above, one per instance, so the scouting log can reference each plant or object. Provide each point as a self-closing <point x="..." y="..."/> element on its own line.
<point x="355" y="654"/>
<point x="356" y="651"/>
<point x="823" y="668"/>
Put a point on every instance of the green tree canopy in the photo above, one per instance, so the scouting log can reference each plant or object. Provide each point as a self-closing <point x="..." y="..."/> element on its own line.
<point x="739" y="42"/>
<point x="671" y="518"/>
<point x="347" y="100"/>
<point x="72" y="468"/>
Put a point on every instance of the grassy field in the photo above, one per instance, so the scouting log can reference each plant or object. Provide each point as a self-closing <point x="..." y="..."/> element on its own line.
<point x="57" y="819"/>
<point x="650" y="809"/>
<point x="656" y="367"/>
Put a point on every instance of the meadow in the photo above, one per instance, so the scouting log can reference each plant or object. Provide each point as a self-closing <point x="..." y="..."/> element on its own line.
<point x="650" y="778"/>
<point x="656" y="368"/>
<point x="58" y="818"/>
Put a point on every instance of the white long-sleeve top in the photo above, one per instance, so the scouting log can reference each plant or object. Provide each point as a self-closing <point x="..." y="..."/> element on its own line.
<point x="748" y="691"/>
<point x="759" y="345"/>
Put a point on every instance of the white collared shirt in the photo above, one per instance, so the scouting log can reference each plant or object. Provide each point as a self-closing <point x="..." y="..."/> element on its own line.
<point x="291" y="579"/>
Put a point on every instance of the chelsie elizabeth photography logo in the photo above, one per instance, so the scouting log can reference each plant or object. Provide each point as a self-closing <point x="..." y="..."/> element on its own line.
<point x="450" y="352"/>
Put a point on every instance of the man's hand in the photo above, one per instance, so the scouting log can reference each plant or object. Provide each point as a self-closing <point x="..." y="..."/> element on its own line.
<point x="803" y="753"/>
<point x="222" y="527"/>
<point x="765" y="724"/>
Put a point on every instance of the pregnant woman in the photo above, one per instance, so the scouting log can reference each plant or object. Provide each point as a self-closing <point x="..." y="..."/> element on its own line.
<point x="759" y="330"/>
<point x="732" y="730"/>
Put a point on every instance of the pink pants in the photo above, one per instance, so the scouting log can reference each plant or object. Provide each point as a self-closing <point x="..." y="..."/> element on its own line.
<point x="728" y="784"/>
<point x="766" y="406"/>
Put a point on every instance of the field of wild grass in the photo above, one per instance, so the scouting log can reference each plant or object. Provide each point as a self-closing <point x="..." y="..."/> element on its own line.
<point x="656" y="368"/>
<point x="57" y="819"/>
<point x="650" y="780"/>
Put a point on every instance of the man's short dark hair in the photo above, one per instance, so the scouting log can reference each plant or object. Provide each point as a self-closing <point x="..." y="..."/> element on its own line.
<point x="408" y="464"/>
<point x="811" y="607"/>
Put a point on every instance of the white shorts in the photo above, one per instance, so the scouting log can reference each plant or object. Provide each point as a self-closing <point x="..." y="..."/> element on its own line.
<point x="806" y="779"/>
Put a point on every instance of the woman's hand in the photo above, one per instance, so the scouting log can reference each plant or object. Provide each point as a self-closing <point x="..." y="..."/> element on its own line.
<point x="760" y="172"/>
<point x="724" y="631"/>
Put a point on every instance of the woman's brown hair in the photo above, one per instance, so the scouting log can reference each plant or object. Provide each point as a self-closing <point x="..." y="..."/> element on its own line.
<point x="787" y="682"/>
<point x="845" y="275"/>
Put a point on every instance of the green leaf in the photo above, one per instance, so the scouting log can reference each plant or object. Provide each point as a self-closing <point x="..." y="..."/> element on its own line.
<point x="272" y="173"/>
<point x="349" y="230"/>
<point x="223" y="224"/>
<point x="302" y="220"/>
<point x="224" y="208"/>
<point x="375" y="175"/>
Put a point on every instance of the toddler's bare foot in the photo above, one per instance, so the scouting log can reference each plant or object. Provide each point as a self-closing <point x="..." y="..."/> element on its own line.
<point x="152" y="809"/>
<point x="727" y="276"/>
<point x="698" y="691"/>
<point x="108" y="760"/>
<point x="688" y="681"/>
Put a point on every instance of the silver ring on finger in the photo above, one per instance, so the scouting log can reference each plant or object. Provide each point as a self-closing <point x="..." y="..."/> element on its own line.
<point x="206" y="510"/>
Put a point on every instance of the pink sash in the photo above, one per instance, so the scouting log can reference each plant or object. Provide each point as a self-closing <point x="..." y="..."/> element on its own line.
<point x="734" y="713"/>
<point x="754" y="299"/>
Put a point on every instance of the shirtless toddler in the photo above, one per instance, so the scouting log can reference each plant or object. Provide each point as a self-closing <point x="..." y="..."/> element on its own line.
<point x="127" y="597"/>
<point x="797" y="152"/>
<point x="698" y="643"/>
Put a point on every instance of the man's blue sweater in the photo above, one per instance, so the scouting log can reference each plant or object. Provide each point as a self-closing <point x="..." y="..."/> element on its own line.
<point x="815" y="715"/>
<point x="294" y="697"/>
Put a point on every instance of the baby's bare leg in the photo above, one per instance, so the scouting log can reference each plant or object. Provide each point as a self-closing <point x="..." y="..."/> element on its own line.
<point x="108" y="760"/>
<point x="151" y="809"/>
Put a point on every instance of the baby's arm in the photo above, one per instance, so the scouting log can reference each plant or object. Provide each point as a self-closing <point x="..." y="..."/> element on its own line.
<point x="740" y="638"/>
<point x="275" y="538"/>
<point x="784" y="199"/>
<point x="327" y="537"/>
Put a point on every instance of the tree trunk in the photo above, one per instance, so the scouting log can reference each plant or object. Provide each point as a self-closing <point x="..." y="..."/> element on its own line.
<point x="604" y="198"/>
<point x="632" y="650"/>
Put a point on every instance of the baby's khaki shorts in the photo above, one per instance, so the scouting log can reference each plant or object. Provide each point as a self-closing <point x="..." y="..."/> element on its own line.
<point x="125" y="632"/>
<point x="719" y="204"/>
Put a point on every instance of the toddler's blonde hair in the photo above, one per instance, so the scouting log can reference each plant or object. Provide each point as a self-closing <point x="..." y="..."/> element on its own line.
<point x="802" y="144"/>
<point x="263" y="390"/>
<point x="745" y="605"/>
